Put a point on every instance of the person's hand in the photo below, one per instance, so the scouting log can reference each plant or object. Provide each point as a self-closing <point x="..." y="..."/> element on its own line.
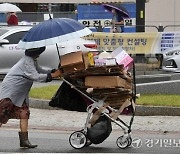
<point x="53" y="70"/>
<point x="57" y="73"/>
<point x="121" y="22"/>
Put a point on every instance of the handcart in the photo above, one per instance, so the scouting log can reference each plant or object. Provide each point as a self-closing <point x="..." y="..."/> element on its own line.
<point x="98" y="108"/>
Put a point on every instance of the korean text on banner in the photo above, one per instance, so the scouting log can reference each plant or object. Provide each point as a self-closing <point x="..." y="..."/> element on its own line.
<point x="132" y="43"/>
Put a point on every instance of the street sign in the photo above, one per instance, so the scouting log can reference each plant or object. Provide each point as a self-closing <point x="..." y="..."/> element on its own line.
<point x="130" y="22"/>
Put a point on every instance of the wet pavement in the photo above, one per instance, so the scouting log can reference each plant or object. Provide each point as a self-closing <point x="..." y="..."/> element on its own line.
<point x="73" y="120"/>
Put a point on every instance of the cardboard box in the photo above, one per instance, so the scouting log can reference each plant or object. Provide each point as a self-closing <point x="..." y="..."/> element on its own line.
<point x="122" y="57"/>
<point x="71" y="58"/>
<point x="106" y="82"/>
<point x="74" y="61"/>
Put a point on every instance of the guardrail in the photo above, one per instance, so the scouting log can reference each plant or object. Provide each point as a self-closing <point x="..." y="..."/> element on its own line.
<point x="158" y="28"/>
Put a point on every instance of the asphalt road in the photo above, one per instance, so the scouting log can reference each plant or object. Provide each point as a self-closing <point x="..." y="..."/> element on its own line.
<point x="58" y="142"/>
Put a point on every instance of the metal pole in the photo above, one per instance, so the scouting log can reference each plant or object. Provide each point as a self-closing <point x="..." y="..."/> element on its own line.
<point x="50" y="8"/>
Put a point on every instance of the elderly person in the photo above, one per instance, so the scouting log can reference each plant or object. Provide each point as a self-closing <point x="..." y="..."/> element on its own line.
<point x="14" y="101"/>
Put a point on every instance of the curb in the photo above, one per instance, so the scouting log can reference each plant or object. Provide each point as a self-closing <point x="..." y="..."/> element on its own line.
<point x="140" y="110"/>
<point x="157" y="111"/>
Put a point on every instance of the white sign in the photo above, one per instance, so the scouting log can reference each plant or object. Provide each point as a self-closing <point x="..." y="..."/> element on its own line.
<point x="96" y="22"/>
<point x="130" y="22"/>
<point x="47" y="16"/>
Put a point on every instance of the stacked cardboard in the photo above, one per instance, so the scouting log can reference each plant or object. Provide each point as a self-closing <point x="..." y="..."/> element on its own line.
<point x="73" y="62"/>
<point x="109" y="81"/>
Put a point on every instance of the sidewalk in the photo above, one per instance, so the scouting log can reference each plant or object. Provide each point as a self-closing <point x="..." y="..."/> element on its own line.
<point x="43" y="119"/>
<point x="140" y="109"/>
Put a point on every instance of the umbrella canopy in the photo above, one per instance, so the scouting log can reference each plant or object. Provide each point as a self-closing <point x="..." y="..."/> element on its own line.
<point x="7" y="7"/>
<point x="119" y="9"/>
<point x="53" y="31"/>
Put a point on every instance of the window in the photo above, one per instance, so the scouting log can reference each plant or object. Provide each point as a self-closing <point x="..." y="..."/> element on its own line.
<point x="15" y="37"/>
<point x="2" y="32"/>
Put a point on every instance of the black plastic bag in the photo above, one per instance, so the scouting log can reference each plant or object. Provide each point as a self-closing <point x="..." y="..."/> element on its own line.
<point x="68" y="98"/>
<point x="100" y="130"/>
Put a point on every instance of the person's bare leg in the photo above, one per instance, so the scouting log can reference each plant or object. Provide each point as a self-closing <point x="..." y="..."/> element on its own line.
<point x="24" y="125"/>
<point x="23" y="135"/>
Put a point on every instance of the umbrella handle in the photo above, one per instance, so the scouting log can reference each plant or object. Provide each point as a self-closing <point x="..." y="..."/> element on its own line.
<point x="50" y="16"/>
<point x="58" y="51"/>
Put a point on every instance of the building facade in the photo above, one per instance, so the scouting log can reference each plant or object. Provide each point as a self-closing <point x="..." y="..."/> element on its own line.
<point x="165" y="13"/>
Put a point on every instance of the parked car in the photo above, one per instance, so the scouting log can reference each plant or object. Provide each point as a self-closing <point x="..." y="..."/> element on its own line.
<point x="171" y="60"/>
<point x="10" y="53"/>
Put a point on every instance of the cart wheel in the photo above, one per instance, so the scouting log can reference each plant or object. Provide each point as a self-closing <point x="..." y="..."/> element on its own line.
<point x="77" y="140"/>
<point x="129" y="140"/>
<point x="122" y="142"/>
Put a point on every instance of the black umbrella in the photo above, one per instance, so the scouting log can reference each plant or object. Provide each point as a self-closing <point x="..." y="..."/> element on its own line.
<point x="119" y="9"/>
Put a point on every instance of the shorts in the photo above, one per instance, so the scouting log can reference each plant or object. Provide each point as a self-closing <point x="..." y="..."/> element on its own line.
<point x="9" y="111"/>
